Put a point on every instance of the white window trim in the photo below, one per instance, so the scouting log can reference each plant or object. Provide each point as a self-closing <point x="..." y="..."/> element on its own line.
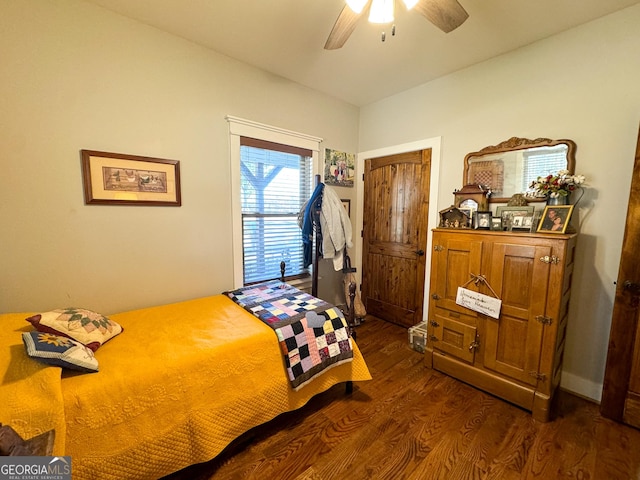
<point x="239" y="127"/>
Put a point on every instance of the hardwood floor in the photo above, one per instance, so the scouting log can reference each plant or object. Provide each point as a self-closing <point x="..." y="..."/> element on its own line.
<point x="411" y="422"/>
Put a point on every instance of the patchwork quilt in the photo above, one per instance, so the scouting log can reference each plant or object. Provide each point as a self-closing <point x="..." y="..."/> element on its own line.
<point x="312" y="333"/>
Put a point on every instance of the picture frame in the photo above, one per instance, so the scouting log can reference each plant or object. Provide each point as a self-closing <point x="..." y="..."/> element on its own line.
<point x="122" y="179"/>
<point x="483" y="220"/>
<point x="496" y="223"/>
<point x="507" y="213"/>
<point x="339" y="168"/>
<point x="346" y="203"/>
<point x="522" y="223"/>
<point x="555" y="219"/>
<point x="470" y="213"/>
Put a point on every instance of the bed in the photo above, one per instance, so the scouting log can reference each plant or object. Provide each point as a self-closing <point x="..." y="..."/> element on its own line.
<point x="178" y="385"/>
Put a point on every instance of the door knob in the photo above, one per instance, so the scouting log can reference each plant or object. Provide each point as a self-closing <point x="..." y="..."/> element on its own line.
<point x="420" y="252"/>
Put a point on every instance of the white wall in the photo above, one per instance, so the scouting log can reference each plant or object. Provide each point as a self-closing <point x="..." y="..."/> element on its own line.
<point x="581" y="85"/>
<point x="75" y="76"/>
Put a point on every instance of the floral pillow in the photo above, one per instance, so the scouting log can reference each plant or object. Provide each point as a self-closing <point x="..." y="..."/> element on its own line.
<point x="89" y="328"/>
<point x="61" y="351"/>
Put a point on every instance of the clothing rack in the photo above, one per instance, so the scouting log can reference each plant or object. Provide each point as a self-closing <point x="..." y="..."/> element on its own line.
<point x="315" y="212"/>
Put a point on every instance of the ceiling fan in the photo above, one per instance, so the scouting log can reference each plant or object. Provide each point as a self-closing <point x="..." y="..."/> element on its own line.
<point x="447" y="15"/>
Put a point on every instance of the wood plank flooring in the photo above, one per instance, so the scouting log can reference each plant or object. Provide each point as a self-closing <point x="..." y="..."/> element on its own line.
<point x="411" y="422"/>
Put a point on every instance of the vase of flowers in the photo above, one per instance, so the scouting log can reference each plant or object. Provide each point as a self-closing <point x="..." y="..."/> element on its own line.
<point x="557" y="187"/>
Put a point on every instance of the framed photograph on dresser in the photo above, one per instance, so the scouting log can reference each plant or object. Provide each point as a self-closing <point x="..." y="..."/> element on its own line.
<point x="555" y="219"/>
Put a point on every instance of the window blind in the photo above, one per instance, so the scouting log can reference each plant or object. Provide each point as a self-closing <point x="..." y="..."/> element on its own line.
<point x="540" y="162"/>
<point x="276" y="181"/>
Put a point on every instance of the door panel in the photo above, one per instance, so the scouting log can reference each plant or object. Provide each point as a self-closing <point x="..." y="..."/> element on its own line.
<point x="621" y="392"/>
<point x="512" y="343"/>
<point x="396" y="206"/>
<point x="456" y="261"/>
<point x="453" y="337"/>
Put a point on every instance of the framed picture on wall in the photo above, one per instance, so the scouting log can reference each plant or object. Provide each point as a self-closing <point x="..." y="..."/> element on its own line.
<point x="339" y="168"/>
<point x="121" y="179"/>
<point x="346" y="203"/>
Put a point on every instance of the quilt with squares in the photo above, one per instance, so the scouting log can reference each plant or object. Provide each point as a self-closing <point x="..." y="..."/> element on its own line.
<point x="313" y="334"/>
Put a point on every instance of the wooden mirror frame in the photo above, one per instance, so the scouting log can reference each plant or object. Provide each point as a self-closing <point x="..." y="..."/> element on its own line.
<point x="514" y="144"/>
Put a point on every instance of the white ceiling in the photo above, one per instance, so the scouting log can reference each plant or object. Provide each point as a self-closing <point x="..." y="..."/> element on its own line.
<point x="286" y="37"/>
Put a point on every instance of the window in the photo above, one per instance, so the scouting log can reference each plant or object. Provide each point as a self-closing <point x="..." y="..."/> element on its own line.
<point x="284" y="149"/>
<point x="540" y="162"/>
<point x="275" y="182"/>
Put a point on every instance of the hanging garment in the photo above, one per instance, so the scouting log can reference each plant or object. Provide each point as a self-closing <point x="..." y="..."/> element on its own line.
<point x="307" y="223"/>
<point x="336" y="228"/>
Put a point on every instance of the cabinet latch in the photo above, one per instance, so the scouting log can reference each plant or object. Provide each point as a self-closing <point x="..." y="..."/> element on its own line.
<point x="438" y="248"/>
<point x="550" y="259"/>
<point x="474" y="345"/>
<point x="538" y="376"/>
<point x="433" y="338"/>
<point x="543" y="319"/>
<point x="435" y="296"/>
<point x="434" y="323"/>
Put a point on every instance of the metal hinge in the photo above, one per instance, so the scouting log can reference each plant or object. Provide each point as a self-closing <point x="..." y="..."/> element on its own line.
<point x="538" y="376"/>
<point x="438" y="248"/>
<point x="550" y="259"/>
<point x="543" y="319"/>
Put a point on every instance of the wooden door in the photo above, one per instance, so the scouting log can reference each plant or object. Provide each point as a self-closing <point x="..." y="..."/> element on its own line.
<point x="512" y="343"/>
<point x="621" y="393"/>
<point x="396" y="207"/>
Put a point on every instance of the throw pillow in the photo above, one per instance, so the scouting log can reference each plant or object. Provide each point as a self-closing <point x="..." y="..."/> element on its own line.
<point x="61" y="351"/>
<point x="89" y="328"/>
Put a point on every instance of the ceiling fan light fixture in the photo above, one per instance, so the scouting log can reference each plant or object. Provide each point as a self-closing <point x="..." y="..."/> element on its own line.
<point x="381" y="11"/>
<point x="410" y="3"/>
<point x="356" y="5"/>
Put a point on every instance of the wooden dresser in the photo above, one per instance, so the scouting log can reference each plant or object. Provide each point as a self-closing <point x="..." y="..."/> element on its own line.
<point x="518" y="356"/>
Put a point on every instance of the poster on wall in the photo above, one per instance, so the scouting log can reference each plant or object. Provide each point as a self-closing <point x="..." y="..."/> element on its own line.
<point x="339" y="168"/>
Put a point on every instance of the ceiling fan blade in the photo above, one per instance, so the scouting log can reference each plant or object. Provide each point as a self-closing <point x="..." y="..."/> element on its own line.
<point x="447" y="15"/>
<point x="343" y="28"/>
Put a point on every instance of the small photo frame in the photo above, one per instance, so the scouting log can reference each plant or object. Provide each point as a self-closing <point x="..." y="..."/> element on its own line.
<point x="483" y="220"/>
<point x="346" y="203"/>
<point x="470" y="213"/>
<point x="508" y="213"/>
<point x="496" y="223"/>
<point x="522" y="223"/>
<point x="555" y="218"/>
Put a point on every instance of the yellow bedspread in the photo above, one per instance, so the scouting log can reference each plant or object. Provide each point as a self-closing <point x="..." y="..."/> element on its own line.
<point x="30" y="392"/>
<point x="175" y="389"/>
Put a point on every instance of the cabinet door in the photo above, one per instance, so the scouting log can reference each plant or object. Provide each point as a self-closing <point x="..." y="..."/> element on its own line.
<point x="455" y="259"/>
<point x="512" y="343"/>
<point x="454" y="334"/>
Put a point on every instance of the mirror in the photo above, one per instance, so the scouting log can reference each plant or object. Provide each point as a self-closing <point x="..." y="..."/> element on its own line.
<point x="511" y="166"/>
